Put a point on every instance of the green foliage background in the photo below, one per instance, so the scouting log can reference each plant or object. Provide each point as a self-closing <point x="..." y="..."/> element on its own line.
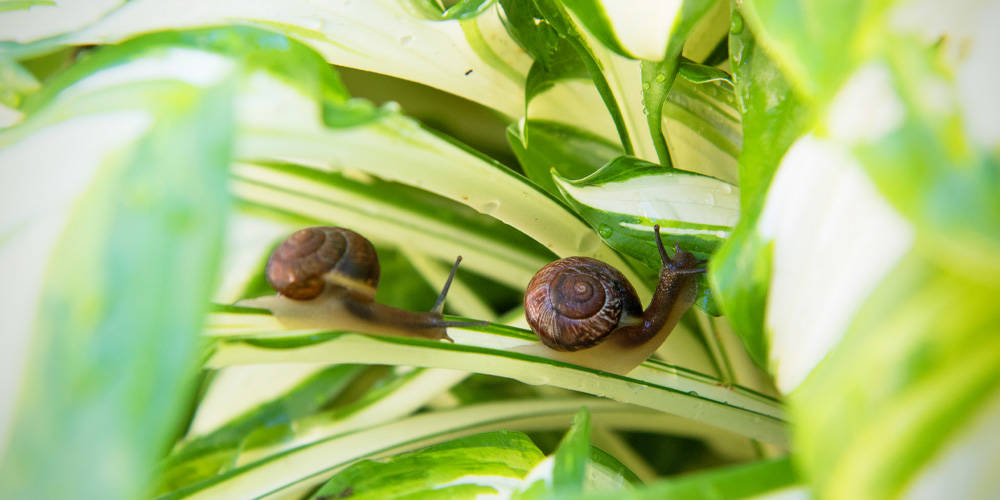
<point x="837" y="164"/>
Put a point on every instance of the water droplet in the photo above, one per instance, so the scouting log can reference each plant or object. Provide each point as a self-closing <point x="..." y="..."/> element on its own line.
<point x="405" y="40"/>
<point x="736" y="24"/>
<point x="605" y="231"/>
<point x="693" y="393"/>
<point x="645" y="85"/>
<point x="726" y="188"/>
<point x="490" y="207"/>
<point x="661" y="78"/>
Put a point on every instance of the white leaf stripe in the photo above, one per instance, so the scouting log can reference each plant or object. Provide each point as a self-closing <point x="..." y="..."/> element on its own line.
<point x="674" y="392"/>
<point x="310" y="465"/>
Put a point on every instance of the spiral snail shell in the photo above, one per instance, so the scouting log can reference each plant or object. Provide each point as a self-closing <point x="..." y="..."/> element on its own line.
<point x="326" y="278"/>
<point x="577" y="302"/>
<point x="299" y="267"/>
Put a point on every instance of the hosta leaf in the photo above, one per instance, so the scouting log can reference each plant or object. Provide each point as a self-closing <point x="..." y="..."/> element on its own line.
<point x="255" y="338"/>
<point x="702" y="124"/>
<point x="817" y="44"/>
<point x="124" y="257"/>
<point x="643" y="30"/>
<point x="924" y="327"/>
<point x="413" y="40"/>
<point x="626" y="197"/>
<point x="572" y="153"/>
<point x="381" y="400"/>
<point x="299" y="470"/>
<point x="890" y="191"/>
<point x="707" y="41"/>
<point x="23" y="4"/>
<point x="270" y="421"/>
<point x="756" y="480"/>
<point x="632" y="92"/>
<point x="563" y="471"/>
<point x="27" y="21"/>
<point x="658" y="77"/>
<point x="825" y="262"/>
<point x="570" y="459"/>
<point x="942" y="180"/>
<point x="318" y="126"/>
<point x="700" y="73"/>
<point x="930" y="336"/>
<point x="391" y="214"/>
<point x="462" y="9"/>
<point x="488" y="463"/>
<point x="624" y="200"/>
<point x="772" y="119"/>
<point x="15" y="83"/>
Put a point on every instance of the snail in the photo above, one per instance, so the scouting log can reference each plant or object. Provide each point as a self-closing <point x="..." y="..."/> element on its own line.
<point x="326" y="278"/>
<point x="578" y="302"/>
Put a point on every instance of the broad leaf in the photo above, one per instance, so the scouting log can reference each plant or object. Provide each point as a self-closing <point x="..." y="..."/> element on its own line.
<point x="124" y="259"/>
<point x="756" y="480"/>
<point x="482" y="464"/>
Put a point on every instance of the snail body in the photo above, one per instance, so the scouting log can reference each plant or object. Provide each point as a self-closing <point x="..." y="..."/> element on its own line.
<point x="326" y="277"/>
<point x="578" y="302"/>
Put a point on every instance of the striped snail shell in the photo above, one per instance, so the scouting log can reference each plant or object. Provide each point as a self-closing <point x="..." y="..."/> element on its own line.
<point x="299" y="266"/>
<point x="574" y="303"/>
<point x="577" y="302"/>
<point x="330" y="273"/>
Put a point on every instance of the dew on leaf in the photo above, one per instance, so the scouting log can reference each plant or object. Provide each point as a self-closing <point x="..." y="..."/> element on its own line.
<point x="736" y="24"/>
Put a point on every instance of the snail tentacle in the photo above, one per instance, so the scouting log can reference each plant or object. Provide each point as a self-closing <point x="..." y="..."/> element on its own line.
<point x="578" y="302"/>
<point x="338" y="269"/>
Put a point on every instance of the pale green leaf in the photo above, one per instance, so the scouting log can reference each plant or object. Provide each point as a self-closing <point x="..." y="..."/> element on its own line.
<point x="123" y="282"/>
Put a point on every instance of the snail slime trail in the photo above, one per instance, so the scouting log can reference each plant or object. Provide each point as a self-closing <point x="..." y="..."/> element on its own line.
<point x="326" y="278"/>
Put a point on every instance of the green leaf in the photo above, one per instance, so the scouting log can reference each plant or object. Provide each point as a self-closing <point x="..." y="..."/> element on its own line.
<point x="15" y="83"/>
<point x="462" y="9"/>
<point x="307" y="466"/>
<point x="658" y="77"/>
<point x="773" y="117"/>
<point x="556" y="15"/>
<point x="324" y="129"/>
<point x="270" y="421"/>
<point x="743" y="481"/>
<point x="604" y="471"/>
<point x="817" y="44"/>
<point x="126" y="285"/>
<point x="495" y="350"/>
<point x="565" y="469"/>
<point x="413" y="40"/>
<point x="624" y="200"/>
<point x="919" y="362"/>
<point x="700" y="73"/>
<point x="925" y="160"/>
<point x="572" y="153"/>
<point x="497" y="460"/>
<point x="571" y="457"/>
<point x="391" y="214"/>
<point x="6" y="5"/>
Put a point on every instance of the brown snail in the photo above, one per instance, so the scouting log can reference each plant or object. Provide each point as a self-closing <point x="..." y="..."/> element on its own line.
<point x="578" y="302"/>
<point x="331" y="274"/>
